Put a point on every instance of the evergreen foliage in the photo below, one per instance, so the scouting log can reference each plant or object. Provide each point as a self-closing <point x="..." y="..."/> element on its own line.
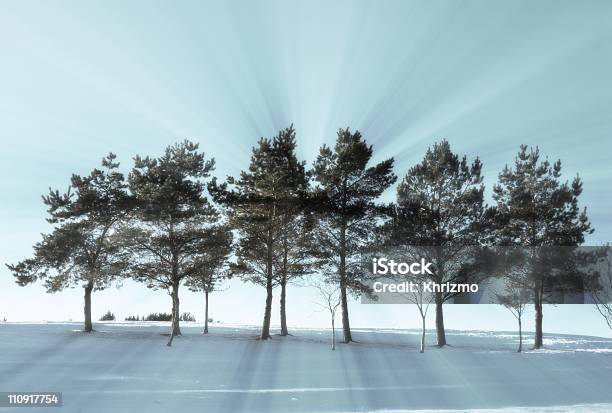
<point x="214" y="268"/>
<point x="346" y="192"/>
<point x="261" y="205"/>
<point x="173" y="224"/>
<point x="440" y="210"/>
<point x="80" y="250"/>
<point x="535" y="210"/>
<point x="108" y="316"/>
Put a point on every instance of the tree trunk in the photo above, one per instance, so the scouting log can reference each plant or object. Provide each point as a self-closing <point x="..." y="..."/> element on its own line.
<point x="88" y="327"/>
<point x="176" y="329"/>
<point x="265" y="330"/>
<point x="346" y="327"/>
<point x="441" y="334"/>
<point x="169" y="343"/>
<point x="538" y="343"/>
<point x="205" y="311"/>
<point x="333" y="333"/>
<point x="520" y="348"/>
<point x="174" y="326"/>
<point x="422" y="350"/>
<point x="283" y="311"/>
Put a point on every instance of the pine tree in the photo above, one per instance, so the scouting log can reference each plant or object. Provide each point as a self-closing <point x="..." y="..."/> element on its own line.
<point x="261" y="206"/>
<point x="293" y="260"/>
<point x="214" y="268"/>
<point x="440" y="210"/>
<point x="174" y="225"/>
<point x="346" y="191"/>
<point x="79" y="250"/>
<point x="535" y="210"/>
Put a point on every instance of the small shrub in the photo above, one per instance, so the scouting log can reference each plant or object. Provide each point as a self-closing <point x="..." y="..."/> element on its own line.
<point x="187" y="317"/>
<point x="167" y="317"/>
<point x="159" y="317"/>
<point x="108" y="316"/>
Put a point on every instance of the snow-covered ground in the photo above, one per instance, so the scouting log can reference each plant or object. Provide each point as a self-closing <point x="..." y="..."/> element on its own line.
<point x="126" y="367"/>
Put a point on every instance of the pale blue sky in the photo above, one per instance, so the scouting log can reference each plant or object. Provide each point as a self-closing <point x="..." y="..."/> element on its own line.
<point x="79" y="79"/>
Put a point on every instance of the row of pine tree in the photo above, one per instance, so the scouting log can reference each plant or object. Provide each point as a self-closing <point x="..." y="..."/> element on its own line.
<point x="171" y="223"/>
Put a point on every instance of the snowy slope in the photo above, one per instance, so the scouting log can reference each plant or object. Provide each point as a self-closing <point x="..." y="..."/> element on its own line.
<point x="126" y="367"/>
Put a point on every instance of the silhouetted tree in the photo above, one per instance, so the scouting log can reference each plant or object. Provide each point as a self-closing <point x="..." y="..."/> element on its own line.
<point x="79" y="250"/>
<point x="262" y="206"/>
<point x="347" y="190"/>
<point x="535" y="210"/>
<point x="293" y="259"/>
<point x="214" y="268"/>
<point x="440" y="207"/>
<point x="174" y="225"/>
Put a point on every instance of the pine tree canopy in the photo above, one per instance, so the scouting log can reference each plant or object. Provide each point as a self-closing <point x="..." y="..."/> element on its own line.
<point x="173" y="224"/>
<point x="263" y="204"/>
<point x="347" y="189"/>
<point x="535" y="208"/>
<point x="80" y="249"/>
